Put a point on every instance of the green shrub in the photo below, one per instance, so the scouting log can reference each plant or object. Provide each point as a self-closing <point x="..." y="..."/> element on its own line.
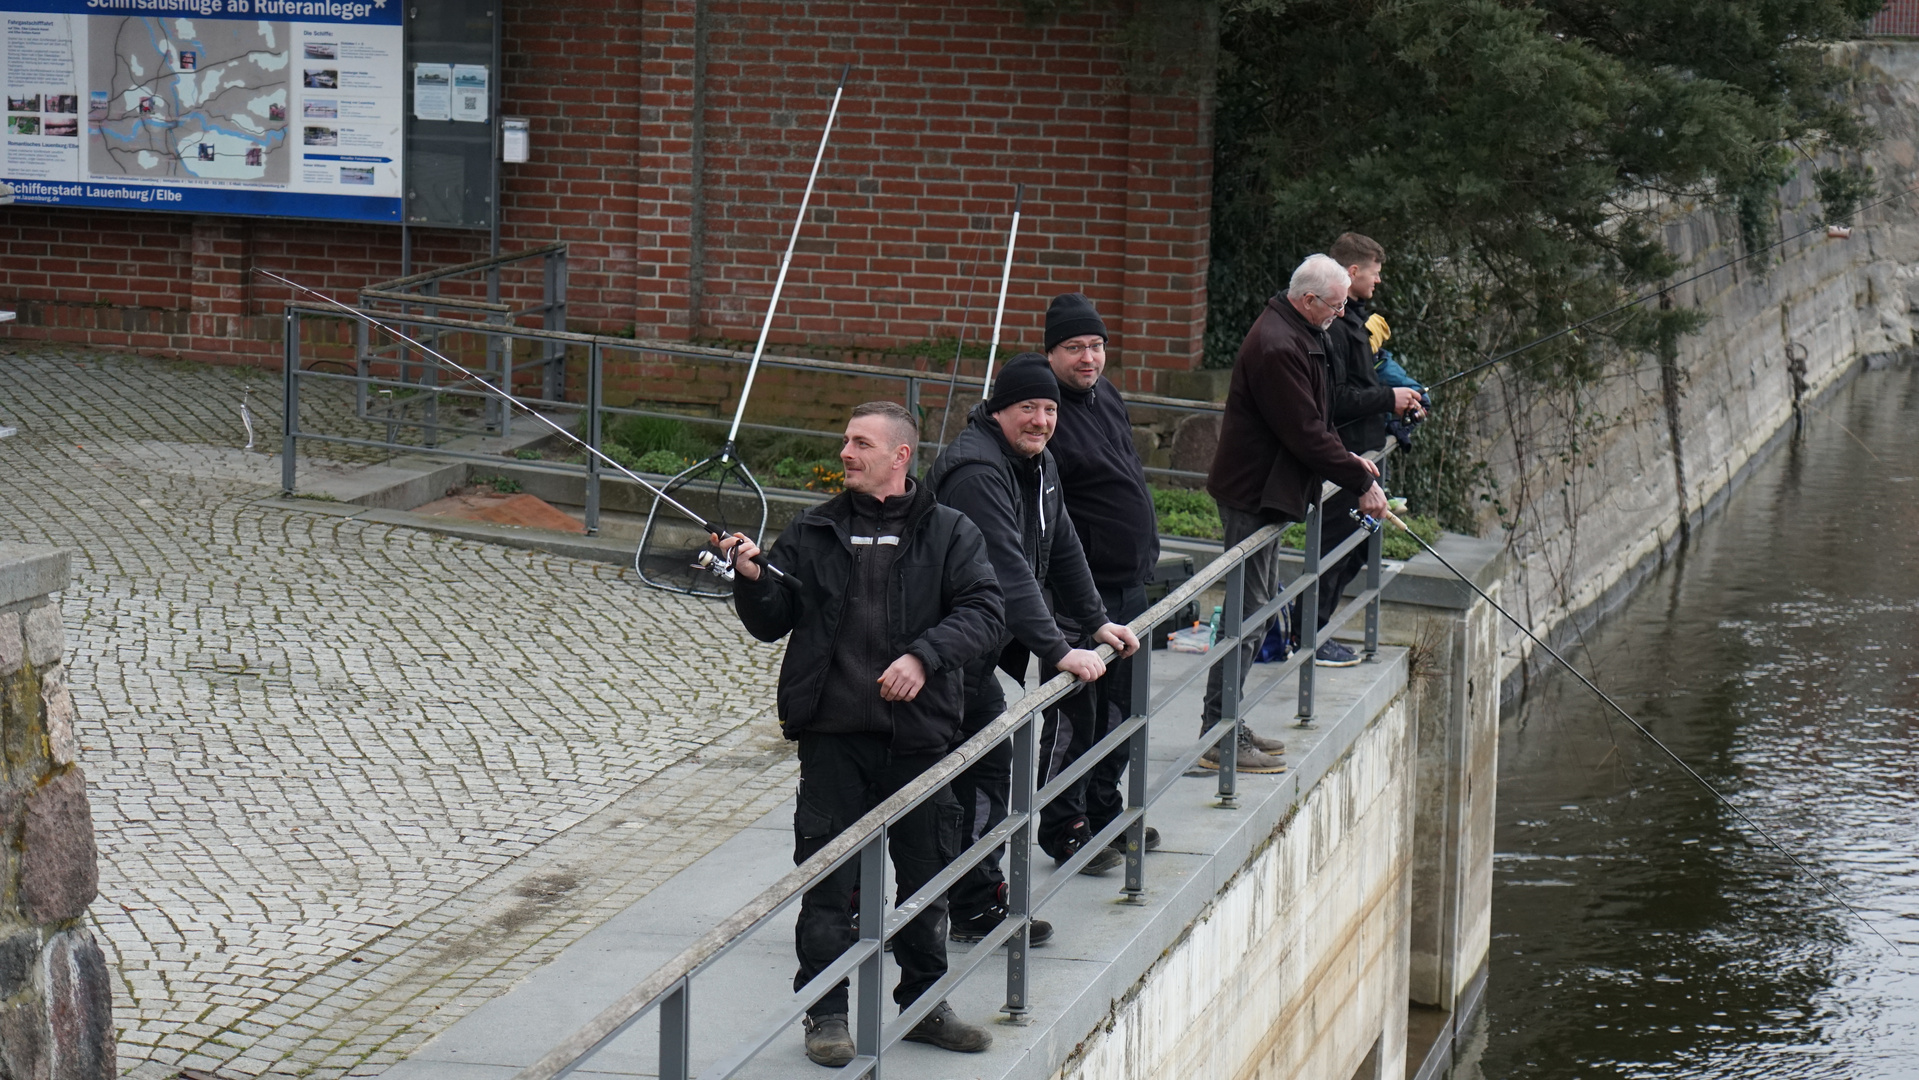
<point x="667" y="462"/>
<point x="1186" y="512"/>
<point x="641" y="435"/>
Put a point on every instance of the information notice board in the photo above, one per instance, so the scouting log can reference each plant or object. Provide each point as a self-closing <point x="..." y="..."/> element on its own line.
<point x="288" y="108"/>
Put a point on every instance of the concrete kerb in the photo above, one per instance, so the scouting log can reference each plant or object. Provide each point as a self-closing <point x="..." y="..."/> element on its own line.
<point x="30" y="571"/>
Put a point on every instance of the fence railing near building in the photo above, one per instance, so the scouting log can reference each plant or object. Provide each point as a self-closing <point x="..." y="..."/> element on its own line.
<point x="667" y="991"/>
<point x="397" y="386"/>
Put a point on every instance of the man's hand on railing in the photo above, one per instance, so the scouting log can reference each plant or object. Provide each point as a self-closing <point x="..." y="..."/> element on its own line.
<point x="1083" y="664"/>
<point x="1122" y="639"/>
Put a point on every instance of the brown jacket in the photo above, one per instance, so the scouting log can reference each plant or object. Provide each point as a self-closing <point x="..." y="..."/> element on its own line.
<point x="1276" y="441"/>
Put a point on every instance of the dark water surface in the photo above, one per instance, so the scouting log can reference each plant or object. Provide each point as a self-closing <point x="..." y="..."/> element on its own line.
<point x="1637" y="930"/>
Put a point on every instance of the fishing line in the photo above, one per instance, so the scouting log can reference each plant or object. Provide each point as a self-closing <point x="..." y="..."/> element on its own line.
<point x="1372" y="525"/>
<point x="779" y="575"/>
<point x="1502" y="357"/>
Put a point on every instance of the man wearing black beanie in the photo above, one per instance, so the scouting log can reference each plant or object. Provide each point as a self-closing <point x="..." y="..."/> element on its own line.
<point x="1112" y="509"/>
<point x="999" y="473"/>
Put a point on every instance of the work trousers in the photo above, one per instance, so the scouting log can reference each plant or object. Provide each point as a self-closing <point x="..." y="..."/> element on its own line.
<point x="1262" y="584"/>
<point x="1335" y="526"/>
<point x="982" y="791"/>
<point x="842" y="777"/>
<point x="1082" y="721"/>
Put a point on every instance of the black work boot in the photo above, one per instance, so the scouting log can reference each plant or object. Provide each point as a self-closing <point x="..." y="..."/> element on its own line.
<point x="970" y="929"/>
<point x="948" y="1032"/>
<point x="827" y="1040"/>
<point x="1077" y="834"/>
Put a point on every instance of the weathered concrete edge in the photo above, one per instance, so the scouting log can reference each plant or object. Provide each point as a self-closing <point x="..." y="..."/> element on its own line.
<point x="1577" y="622"/>
<point x="29" y="571"/>
<point x="1266" y="815"/>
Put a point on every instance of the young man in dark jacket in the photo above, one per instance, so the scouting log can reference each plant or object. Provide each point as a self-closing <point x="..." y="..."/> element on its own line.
<point x="896" y="598"/>
<point x="1276" y="446"/>
<point x="1112" y="510"/>
<point x="1360" y="406"/>
<point x="998" y="472"/>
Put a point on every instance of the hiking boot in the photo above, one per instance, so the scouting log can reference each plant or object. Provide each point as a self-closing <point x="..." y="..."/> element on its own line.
<point x="1333" y="654"/>
<point x="972" y="929"/>
<point x="1263" y="744"/>
<point x="827" y="1040"/>
<point x="1152" y="841"/>
<point x="1107" y="858"/>
<point x="948" y="1032"/>
<point x="1250" y="760"/>
<point x="1076" y="837"/>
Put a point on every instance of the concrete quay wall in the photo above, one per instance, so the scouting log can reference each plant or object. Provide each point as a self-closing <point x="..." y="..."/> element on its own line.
<point x="1299" y="966"/>
<point x="1603" y="483"/>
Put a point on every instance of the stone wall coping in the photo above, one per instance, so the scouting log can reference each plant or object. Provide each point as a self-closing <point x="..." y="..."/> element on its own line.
<point x="30" y="571"/>
<point x="1425" y="582"/>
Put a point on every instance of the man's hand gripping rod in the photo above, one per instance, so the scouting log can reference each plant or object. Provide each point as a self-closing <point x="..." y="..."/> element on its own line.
<point x="1371" y="525"/>
<point x="707" y="561"/>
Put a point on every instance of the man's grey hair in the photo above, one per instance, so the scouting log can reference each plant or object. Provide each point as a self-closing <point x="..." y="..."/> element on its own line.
<point x="1322" y="276"/>
<point x="906" y="430"/>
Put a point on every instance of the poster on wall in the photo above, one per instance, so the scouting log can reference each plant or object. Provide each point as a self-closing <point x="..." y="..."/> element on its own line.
<point x="287" y="108"/>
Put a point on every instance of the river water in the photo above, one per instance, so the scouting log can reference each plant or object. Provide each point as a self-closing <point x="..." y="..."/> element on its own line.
<point x="1637" y="930"/>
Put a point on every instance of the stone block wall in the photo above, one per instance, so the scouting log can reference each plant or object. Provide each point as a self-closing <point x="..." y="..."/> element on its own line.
<point x="56" y="998"/>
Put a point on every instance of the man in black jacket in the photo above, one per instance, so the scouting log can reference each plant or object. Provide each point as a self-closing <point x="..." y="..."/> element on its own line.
<point x="998" y="472"/>
<point x="1360" y="406"/>
<point x="1276" y="446"/>
<point x="1112" y="509"/>
<point x="897" y="598"/>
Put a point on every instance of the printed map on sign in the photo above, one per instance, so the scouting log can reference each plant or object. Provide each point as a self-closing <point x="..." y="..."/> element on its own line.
<point x="180" y="98"/>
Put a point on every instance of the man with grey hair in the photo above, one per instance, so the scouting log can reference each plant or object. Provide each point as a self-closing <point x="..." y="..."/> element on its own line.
<point x="1276" y="445"/>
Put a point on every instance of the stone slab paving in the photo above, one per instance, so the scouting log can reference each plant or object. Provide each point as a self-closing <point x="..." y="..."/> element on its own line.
<point x="351" y="780"/>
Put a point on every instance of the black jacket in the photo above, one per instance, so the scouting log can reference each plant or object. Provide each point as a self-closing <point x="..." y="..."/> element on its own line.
<point x="1276" y="441"/>
<point x="1360" y="403"/>
<point x="945" y="609"/>
<point x="1106" y="485"/>
<point x="1017" y="503"/>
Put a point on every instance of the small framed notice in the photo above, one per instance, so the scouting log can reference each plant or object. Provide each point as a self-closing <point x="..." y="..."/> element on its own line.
<point x="469" y="93"/>
<point x="515" y="143"/>
<point x="432" y="91"/>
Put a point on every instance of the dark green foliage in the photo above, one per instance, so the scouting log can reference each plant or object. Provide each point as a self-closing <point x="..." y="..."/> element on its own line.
<point x="641" y="435"/>
<point x="1184" y="512"/>
<point x="1513" y="158"/>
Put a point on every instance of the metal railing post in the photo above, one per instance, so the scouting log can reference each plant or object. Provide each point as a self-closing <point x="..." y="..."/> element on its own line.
<point x="1231" y="625"/>
<point x="593" y="392"/>
<point x="1375" y="546"/>
<point x="866" y="1032"/>
<point x="551" y="302"/>
<point x="1019" y="865"/>
<point x="1309" y="614"/>
<point x="913" y="406"/>
<point x="362" y="341"/>
<point x="676" y="1035"/>
<point x="1134" y="891"/>
<point x="290" y="401"/>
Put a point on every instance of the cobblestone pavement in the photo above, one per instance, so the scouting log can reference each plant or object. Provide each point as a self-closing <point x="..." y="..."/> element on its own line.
<point x="350" y="780"/>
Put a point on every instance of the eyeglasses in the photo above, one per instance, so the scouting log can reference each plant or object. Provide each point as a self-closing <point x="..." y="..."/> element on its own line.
<point x="1335" y="308"/>
<point x="1075" y="348"/>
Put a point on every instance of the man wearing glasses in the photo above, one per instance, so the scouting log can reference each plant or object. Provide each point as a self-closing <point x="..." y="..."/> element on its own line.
<point x="1276" y="446"/>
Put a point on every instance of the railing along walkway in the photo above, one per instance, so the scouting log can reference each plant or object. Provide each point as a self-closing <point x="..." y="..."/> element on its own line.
<point x="666" y="993"/>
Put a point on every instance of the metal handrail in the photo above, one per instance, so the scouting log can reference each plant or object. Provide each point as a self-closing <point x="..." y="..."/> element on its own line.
<point x="667" y="987"/>
<point x="423" y="374"/>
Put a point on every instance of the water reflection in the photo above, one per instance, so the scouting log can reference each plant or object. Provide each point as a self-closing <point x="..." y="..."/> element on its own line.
<point x="1638" y="932"/>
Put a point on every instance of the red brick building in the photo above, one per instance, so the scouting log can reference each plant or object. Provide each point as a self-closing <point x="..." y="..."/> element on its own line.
<point x="670" y="144"/>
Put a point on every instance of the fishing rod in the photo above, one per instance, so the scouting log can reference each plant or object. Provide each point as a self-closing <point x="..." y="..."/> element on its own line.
<point x="1005" y="278"/>
<point x="1509" y="354"/>
<point x="952" y="381"/>
<point x="721" y="567"/>
<point x="1371" y="525"/>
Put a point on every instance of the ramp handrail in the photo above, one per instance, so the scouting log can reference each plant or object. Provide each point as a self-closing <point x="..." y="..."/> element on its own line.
<point x="667" y="988"/>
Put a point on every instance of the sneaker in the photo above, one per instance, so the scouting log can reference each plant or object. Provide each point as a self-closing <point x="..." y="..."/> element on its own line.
<point x="1152" y="841"/>
<point x="948" y="1032"/>
<point x="972" y="929"/>
<point x="1333" y="654"/>
<point x="1250" y="760"/>
<point x="828" y="1042"/>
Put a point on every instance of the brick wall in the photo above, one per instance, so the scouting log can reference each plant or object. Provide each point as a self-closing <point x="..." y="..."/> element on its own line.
<point x="677" y="200"/>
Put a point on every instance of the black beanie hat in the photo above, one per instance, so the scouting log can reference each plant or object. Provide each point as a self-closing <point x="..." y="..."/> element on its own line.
<point x="1025" y="377"/>
<point x="1071" y="315"/>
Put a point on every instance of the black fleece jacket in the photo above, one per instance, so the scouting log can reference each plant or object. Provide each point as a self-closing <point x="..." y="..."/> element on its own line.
<point x="943" y="607"/>
<point x="1105" y="485"/>
<point x="1020" y="509"/>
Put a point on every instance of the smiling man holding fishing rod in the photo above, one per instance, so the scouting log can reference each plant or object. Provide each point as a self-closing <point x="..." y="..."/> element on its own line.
<point x="898" y="599"/>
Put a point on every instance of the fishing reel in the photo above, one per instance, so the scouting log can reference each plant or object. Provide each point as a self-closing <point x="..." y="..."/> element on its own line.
<point x="1366" y="521"/>
<point x="720" y="566"/>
